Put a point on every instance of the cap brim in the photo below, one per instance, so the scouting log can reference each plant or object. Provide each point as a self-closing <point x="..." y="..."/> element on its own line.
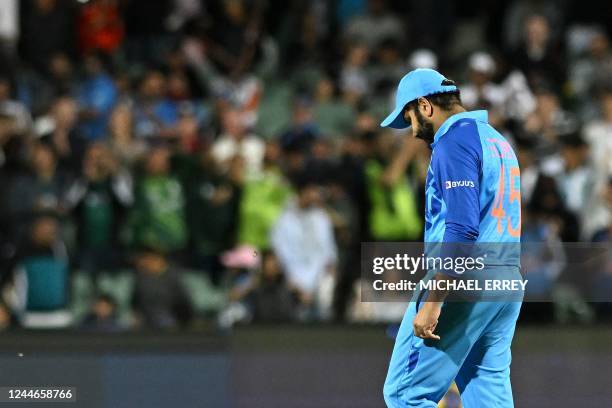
<point x="395" y="120"/>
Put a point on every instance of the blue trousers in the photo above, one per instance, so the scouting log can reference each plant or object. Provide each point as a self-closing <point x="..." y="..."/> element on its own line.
<point x="473" y="350"/>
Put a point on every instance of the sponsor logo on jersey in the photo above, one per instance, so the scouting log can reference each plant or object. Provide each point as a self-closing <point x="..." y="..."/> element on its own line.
<point x="459" y="183"/>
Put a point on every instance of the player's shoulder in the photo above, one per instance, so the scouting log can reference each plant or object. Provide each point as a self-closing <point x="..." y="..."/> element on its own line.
<point x="461" y="137"/>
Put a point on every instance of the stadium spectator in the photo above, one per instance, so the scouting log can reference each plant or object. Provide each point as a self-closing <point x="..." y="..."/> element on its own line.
<point x="303" y="240"/>
<point x="271" y="298"/>
<point x="103" y="316"/>
<point x="37" y="192"/>
<point x="263" y="199"/>
<point x="158" y="217"/>
<point x="47" y="27"/>
<point x="63" y="135"/>
<point x="100" y="26"/>
<point x="236" y="140"/>
<point x="159" y="298"/>
<point x="97" y="95"/>
<point x="539" y="57"/>
<point x="214" y="194"/>
<point x="98" y="201"/>
<point x="13" y="109"/>
<point x="41" y="277"/>
<point x="154" y="114"/>
<point x="375" y="26"/>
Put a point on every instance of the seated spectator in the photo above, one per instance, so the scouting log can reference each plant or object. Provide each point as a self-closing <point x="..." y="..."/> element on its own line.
<point x="11" y="108"/>
<point x="157" y="219"/>
<point x="100" y="26"/>
<point x="271" y="298"/>
<point x="592" y="69"/>
<point x="97" y="96"/>
<point x="159" y="298"/>
<point x="41" y="277"/>
<point x="605" y="233"/>
<point x="481" y="92"/>
<point x="334" y="116"/>
<point x="548" y="122"/>
<point x="47" y="27"/>
<point x="98" y="200"/>
<point x="63" y="135"/>
<point x="263" y="199"/>
<point x="303" y="240"/>
<point x="154" y="114"/>
<point x="392" y="205"/>
<point x="543" y="256"/>
<point x="235" y="139"/>
<point x="538" y="56"/>
<point x="125" y="146"/>
<point x="354" y="79"/>
<point x="103" y="316"/>
<point x="576" y="181"/>
<point x="375" y="26"/>
<point x="212" y="207"/>
<point x="36" y="192"/>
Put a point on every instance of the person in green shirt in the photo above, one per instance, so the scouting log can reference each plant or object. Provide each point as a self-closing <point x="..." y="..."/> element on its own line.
<point x="158" y="218"/>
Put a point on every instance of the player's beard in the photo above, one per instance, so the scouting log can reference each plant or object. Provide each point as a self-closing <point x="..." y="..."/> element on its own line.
<point x="426" y="131"/>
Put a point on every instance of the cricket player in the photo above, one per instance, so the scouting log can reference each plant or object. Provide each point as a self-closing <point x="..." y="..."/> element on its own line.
<point x="472" y="195"/>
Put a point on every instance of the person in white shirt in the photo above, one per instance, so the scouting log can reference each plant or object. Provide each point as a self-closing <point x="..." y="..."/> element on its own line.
<point x="303" y="240"/>
<point x="235" y="139"/>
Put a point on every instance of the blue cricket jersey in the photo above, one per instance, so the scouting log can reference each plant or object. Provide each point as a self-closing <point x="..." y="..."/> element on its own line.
<point x="473" y="188"/>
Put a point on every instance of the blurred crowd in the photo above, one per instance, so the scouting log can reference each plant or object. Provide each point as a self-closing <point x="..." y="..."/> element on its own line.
<point x="179" y="162"/>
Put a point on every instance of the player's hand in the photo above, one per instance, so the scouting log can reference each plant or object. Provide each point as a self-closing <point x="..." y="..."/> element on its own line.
<point x="426" y="320"/>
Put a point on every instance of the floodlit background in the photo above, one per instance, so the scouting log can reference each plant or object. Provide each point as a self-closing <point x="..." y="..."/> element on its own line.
<point x="185" y="184"/>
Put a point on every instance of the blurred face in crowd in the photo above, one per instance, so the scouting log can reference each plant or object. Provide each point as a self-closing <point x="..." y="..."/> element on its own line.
<point x="151" y="263"/>
<point x="153" y="85"/>
<point x="5" y="89"/>
<point x="232" y="123"/>
<point x="98" y="162"/>
<point x="309" y="196"/>
<point x="547" y="103"/>
<point x="479" y="78"/>
<point x="325" y="89"/>
<point x="5" y="317"/>
<point x="60" y="66"/>
<point x="606" y="106"/>
<point x="377" y="7"/>
<point x="270" y="267"/>
<point x="537" y="31"/>
<point x="158" y="162"/>
<point x="272" y="153"/>
<point x="65" y="113"/>
<point x="120" y="123"/>
<point x="44" y="232"/>
<point x="302" y="112"/>
<point x="92" y="64"/>
<point x="45" y="5"/>
<point x="599" y="45"/>
<point x="104" y="309"/>
<point x="43" y="160"/>
<point x="178" y="87"/>
<point x="358" y="56"/>
<point x="574" y="156"/>
<point x="234" y="10"/>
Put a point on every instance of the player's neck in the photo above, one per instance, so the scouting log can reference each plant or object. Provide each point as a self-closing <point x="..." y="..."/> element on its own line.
<point x="441" y="117"/>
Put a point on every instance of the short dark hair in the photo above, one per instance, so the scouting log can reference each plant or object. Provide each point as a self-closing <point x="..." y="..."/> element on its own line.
<point x="444" y="100"/>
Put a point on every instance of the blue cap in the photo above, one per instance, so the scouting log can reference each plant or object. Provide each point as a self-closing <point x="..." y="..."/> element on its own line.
<point x="416" y="84"/>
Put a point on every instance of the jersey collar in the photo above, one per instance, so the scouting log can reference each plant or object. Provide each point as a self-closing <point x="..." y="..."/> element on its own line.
<point x="479" y="115"/>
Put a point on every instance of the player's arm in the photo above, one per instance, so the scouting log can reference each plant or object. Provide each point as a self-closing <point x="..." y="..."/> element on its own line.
<point x="457" y="163"/>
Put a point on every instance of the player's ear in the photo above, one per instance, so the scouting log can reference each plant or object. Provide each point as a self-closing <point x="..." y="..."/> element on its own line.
<point x="425" y="107"/>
